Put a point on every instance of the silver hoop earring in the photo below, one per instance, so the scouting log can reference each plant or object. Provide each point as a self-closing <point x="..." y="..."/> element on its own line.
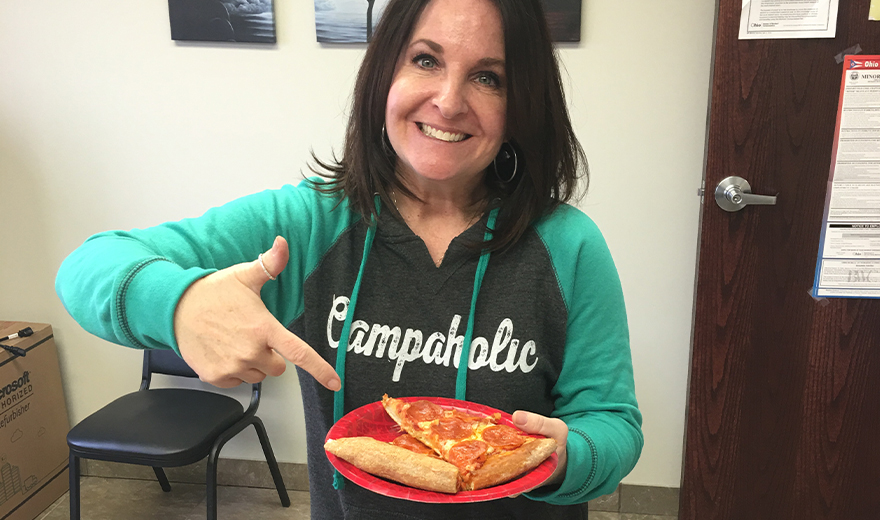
<point x="386" y="142"/>
<point x="506" y="155"/>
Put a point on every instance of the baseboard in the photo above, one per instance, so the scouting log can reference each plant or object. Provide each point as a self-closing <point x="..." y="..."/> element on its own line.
<point x="644" y="500"/>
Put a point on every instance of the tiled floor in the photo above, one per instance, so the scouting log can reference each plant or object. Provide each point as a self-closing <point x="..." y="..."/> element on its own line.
<point x="115" y="498"/>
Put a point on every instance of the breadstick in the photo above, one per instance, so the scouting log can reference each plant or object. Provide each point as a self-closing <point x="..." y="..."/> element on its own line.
<point x="395" y="463"/>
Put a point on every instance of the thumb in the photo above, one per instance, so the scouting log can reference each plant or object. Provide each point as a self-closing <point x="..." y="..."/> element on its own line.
<point x="534" y="423"/>
<point x="273" y="262"/>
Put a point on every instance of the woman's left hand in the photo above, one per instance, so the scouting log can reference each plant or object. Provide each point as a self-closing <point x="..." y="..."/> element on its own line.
<point x="549" y="427"/>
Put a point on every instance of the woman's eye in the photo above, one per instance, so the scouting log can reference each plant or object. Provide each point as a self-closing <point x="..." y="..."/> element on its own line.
<point x="488" y="79"/>
<point x="425" y="61"/>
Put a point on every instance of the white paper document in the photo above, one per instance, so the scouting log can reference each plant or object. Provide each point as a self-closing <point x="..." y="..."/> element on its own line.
<point x="849" y="249"/>
<point x="779" y="19"/>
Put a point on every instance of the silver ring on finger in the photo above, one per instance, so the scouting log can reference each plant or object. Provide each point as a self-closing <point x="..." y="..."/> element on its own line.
<point x="264" y="268"/>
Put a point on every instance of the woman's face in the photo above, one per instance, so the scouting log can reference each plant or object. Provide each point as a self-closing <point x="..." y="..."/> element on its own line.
<point x="446" y="109"/>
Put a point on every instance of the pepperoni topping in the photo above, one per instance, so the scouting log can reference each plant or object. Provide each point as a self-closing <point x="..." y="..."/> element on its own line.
<point x="466" y="453"/>
<point x="466" y="417"/>
<point x="503" y="437"/>
<point x="452" y="428"/>
<point x="419" y="411"/>
<point x="412" y="444"/>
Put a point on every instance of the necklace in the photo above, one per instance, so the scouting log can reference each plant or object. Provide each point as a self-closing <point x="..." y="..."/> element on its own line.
<point x="471" y="221"/>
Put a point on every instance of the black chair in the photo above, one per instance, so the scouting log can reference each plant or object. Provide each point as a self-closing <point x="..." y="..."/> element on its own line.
<point x="166" y="427"/>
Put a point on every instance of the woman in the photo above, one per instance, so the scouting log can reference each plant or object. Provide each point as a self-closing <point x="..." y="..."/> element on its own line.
<point x="441" y="235"/>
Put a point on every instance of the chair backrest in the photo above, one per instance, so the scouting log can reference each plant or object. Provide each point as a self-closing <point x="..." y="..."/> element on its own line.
<point x="166" y="362"/>
<point x="169" y="363"/>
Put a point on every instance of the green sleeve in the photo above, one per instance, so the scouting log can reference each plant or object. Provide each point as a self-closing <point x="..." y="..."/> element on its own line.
<point x="123" y="286"/>
<point x="595" y="393"/>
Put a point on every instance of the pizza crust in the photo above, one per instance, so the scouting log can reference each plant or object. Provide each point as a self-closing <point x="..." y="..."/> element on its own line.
<point x="396" y="463"/>
<point x="509" y="465"/>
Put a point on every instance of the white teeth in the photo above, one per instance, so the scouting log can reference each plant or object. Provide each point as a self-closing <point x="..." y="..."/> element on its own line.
<point x="449" y="137"/>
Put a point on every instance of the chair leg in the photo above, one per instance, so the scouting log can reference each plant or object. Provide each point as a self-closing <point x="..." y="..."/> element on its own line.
<point x="213" y="459"/>
<point x="163" y="480"/>
<point x="273" y="464"/>
<point x="211" y="484"/>
<point x="73" y="472"/>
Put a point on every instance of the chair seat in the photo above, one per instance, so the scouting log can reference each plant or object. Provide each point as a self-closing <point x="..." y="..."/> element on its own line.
<point x="159" y="427"/>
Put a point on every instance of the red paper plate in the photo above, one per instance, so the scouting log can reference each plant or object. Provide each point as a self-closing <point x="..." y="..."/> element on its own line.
<point x="372" y="421"/>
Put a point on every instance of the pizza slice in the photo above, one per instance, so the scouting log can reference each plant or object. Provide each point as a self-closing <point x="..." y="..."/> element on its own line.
<point x="486" y="453"/>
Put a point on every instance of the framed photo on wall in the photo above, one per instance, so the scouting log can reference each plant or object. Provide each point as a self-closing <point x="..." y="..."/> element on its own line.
<point x="352" y="21"/>
<point x="222" y="20"/>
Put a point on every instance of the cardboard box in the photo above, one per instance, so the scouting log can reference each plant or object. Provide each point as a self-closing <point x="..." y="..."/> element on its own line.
<point x="33" y="424"/>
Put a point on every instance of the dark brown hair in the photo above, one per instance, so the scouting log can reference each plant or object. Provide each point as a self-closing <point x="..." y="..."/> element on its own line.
<point x="550" y="158"/>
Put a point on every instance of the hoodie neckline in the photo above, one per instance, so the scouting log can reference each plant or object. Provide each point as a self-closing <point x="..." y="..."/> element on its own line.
<point x="393" y="230"/>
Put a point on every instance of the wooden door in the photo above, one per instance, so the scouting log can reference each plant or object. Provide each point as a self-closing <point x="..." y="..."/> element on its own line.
<point x="783" y="418"/>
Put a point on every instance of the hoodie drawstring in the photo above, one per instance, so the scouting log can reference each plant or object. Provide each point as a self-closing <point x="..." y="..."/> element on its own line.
<point x="342" y="347"/>
<point x="464" y="359"/>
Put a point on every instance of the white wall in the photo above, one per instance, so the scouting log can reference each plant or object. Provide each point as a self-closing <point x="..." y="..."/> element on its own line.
<point x="105" y="123"/>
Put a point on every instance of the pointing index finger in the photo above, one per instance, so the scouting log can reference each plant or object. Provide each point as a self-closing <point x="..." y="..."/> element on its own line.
<point x="302" y="355"/>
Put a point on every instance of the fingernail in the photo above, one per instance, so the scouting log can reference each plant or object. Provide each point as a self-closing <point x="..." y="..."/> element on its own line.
<point x="520" y="419"/>
<point x="334" y="385"/>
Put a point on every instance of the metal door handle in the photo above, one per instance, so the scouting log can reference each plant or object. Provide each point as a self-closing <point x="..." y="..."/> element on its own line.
<point x="735" y="193"/>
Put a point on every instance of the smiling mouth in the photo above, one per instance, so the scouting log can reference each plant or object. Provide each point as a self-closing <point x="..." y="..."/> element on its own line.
<point x="449" y="137"/>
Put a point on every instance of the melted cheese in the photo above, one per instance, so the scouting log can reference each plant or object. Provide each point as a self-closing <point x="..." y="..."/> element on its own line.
<point x="423" y="432"/>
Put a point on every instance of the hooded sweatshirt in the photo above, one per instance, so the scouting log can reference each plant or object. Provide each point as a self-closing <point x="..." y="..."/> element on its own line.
<point x="549" y="329"/>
